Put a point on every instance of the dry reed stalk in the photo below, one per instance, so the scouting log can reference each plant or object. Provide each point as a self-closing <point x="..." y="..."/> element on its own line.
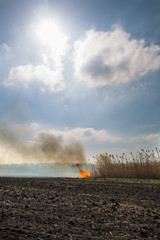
<point x="146" y="164"/>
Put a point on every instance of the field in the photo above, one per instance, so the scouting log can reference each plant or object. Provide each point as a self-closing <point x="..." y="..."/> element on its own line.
<point x="74" y="208"/>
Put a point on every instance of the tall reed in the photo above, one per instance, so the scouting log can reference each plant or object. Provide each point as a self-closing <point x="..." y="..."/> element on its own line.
<point x="145" y="164"/>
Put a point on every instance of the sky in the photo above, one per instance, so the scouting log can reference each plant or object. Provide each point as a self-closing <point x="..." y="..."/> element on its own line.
<point x="83" y="76"/>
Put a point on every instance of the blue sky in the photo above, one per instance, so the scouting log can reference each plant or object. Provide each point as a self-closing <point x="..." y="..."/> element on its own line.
<point x="83" y="71"/>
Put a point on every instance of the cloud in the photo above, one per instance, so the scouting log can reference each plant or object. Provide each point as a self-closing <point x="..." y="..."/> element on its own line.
<point x="34" y="144"/>
<point x="84" y="135"/>
<point x="6" y="54"/>
<point x="100" y="141"/>
<point x="113" y="58"/>
<point x="93" y="136"/>
<point x="48" y="75"/>
<point x="23" y="75"/>
<point x="6" y="48"/>
<point x="93" y="141"/>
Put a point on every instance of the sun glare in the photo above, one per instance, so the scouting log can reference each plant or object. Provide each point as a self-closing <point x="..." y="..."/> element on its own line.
<point x="50" y="35"/>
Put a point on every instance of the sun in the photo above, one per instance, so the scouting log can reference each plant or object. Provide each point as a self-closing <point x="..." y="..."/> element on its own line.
<point x="51" y="36"/>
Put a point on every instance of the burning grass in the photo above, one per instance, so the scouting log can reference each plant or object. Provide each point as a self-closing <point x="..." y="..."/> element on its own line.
<point x="145" y="164"/>
<point x="84" y="174"/>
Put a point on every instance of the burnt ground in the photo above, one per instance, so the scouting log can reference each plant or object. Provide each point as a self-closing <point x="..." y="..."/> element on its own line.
<point x="52" y="208"/>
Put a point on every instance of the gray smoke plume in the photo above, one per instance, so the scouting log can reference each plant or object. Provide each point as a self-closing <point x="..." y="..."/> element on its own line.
<point x="45" y="148"/>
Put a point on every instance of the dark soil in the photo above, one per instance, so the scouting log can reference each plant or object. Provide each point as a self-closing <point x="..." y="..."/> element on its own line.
<point x="52" y="208"/>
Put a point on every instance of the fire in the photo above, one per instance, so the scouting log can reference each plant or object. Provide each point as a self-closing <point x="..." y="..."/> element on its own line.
<point x="84" y="174"/>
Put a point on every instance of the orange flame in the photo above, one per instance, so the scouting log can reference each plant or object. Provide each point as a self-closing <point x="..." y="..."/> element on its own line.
<point x="84" y="174"/>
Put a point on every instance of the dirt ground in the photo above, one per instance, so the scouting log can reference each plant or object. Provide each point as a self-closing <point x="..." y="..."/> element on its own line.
<point x="63" y="208"/>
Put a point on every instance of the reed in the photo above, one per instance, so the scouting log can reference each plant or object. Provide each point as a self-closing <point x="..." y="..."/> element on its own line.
<point x="145" y="164"/>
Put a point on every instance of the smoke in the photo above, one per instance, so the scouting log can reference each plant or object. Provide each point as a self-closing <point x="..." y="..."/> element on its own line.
<point x="17" y="147"/>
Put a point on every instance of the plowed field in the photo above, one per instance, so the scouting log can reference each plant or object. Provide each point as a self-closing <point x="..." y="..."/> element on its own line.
<point x="73" y="209"/>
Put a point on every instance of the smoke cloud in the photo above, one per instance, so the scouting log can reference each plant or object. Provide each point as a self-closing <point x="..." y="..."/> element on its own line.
<point x="42" y="148"/>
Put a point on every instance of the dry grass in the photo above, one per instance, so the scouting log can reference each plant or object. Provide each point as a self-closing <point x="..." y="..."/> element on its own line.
<point x="146" y="164"/>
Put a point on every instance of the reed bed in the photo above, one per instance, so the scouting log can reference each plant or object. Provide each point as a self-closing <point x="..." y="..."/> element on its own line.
<point x="145" y="164"/>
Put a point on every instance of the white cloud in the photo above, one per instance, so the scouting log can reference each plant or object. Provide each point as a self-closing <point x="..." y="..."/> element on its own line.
<point x="48" y="75"/>
<point x="113" y="58"/>
<point x="83" y="134"/>
<point x="23" y="75"/>
<point x="86" y="135"/>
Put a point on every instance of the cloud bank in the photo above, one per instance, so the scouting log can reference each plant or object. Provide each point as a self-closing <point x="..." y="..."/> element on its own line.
<point x="100" y="141"/>
<point x="113" y="58"/>
<point x="34" y="144"/>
